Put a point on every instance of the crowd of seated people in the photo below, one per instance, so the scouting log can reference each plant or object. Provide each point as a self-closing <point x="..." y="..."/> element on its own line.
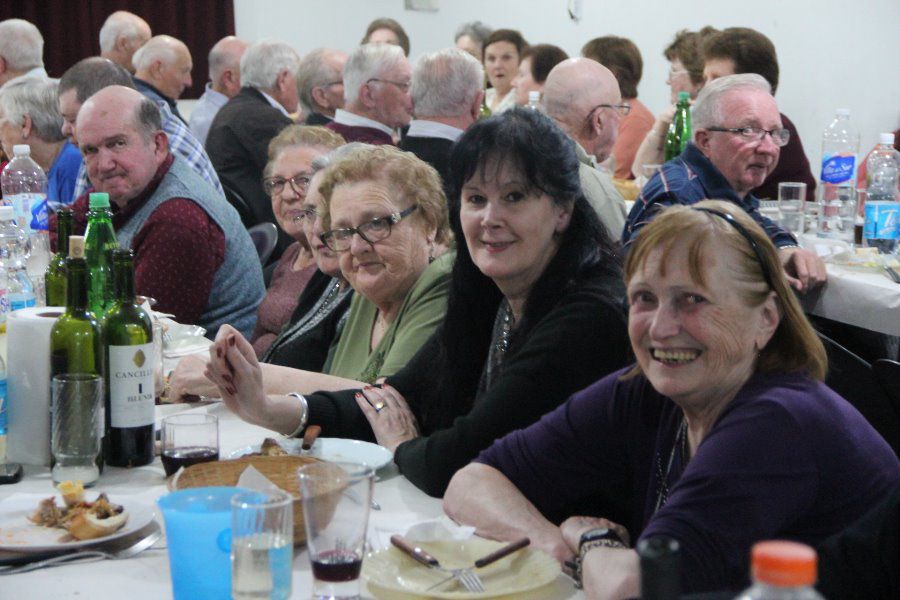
<point x="457" y="278"/>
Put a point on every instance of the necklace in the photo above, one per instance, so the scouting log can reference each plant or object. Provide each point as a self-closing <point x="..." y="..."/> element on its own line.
<point x="506" y="322"/>
<point x="662" y="485"/>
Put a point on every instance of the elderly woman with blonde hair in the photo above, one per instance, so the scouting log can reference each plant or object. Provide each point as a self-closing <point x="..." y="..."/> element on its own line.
<point x="721" y="435"/>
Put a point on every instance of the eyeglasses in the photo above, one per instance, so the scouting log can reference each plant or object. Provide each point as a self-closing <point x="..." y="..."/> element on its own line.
<point x="306" y="213"/>
<point x="622" y="109"/>
<point x="780" y="137"/>
<point x="673" y="73"/>
<point x="403" y="87"/>
<point x="331" y="83"/>
<point x="275" y="185"/>
<point x="371" y="231"/>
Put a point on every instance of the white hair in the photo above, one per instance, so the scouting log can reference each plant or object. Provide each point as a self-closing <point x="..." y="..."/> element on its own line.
<point x="21" y="45"/>
<point x="707" y="110"/>
<point x="445" y="83"/>
<point x="36" y="98"/>
<point x="119" y="24"/>
<point x="368" y="62"/>
<point x="161" y="48"/>
<point x="476" y="30"/>
<point x="222" y="57"/>
<point x="315" y="71"/>
<point x="264" y="60"/>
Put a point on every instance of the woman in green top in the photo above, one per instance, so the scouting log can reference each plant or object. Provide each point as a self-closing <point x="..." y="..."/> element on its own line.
<point x="385" y="215"/>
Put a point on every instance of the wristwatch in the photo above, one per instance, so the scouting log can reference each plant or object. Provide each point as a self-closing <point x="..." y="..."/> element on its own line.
<point x="598" y="537"/>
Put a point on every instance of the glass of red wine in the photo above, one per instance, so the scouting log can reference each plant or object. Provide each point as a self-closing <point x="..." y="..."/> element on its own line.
<point x="188" y="439"/>
<point x="336" y="499"/>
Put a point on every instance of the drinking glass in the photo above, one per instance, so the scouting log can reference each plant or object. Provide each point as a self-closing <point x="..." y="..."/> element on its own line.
<point x="77" y="422"/>
<point x="336" y="498"/>
<point x="839" y="215"/>
<point x="188" y="439"/>
<point x="791" y="200"/>
<point x="262" y="548"/>
<point x="159" y="375"/>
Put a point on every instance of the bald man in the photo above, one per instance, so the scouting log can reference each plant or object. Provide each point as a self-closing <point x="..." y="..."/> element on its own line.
<point x="163" y="70"/>
<point x="21" y="50"/>
<point x="121" y="36"/>
<point x="583" y="97"/>
<point x="224" y="83"/>
<point x="191" y="251"/>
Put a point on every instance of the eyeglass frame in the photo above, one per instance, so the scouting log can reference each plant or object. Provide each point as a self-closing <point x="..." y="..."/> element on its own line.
<point x="621" y="109"/>
<point x="306" y="213"/>
<point x="757" y="134"/>
<point x="676" y="73"/>
<point x="403" y="87"/>
<point x="295" y="186"/>
<point x="392" y="219"/>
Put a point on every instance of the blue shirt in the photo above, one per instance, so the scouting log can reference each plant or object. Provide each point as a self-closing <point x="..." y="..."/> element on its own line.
<point x="62" y="176"/>
<point x="688" y="179"/>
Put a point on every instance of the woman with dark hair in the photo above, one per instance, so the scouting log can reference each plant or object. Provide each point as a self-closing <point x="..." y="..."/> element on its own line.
<point x="502" y="54"/>
<point x="386" y="31"/>
<point x="537" y="62"/>
<point x="534" y="314"/>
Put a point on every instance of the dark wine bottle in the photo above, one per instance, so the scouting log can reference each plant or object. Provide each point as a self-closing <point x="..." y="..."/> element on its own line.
<point x="55" y="276"/>
<point x="99" y="240"/>
<point x="129" y="384"/>
<point x="660" y="568"/>
<point x="76" y="339"/>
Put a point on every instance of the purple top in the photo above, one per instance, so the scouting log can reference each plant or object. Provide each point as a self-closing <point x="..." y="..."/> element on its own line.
<point x="787" y="458"/>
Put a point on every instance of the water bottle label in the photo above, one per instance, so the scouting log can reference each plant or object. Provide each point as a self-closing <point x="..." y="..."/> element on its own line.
<point x="3" y="406"/>
<point x="40" y="220"/>
<point x="882" y="221"/>
<point x="4" y="306"/>
<point x="20" y="302"/>
<point x="31" y="211"/>
<point x="837" y="168"/>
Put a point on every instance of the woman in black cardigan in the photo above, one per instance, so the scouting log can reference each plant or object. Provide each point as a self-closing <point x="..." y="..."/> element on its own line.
<point x="535" y="314"/>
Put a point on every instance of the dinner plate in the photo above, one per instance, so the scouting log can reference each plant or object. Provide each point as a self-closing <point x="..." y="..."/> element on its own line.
<point x="391" y="574"/>
<point x="19" y="534"/>
<point x="332" y="450"/>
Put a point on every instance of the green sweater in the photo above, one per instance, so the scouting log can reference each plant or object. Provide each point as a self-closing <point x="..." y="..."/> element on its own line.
<point x="422" y="311"/>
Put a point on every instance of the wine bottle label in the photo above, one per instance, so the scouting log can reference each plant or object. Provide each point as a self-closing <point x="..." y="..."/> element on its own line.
<point x="131" y="390"/>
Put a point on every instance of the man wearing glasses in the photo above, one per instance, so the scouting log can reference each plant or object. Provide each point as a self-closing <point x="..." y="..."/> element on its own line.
<point x="583" y="97"/>
<point x="738" y="136"/>
<point x="377" y="102"/>
<point x="320" y="83"/>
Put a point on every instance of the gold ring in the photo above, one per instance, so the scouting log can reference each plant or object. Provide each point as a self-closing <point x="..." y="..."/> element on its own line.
<point x="379" y="406"/>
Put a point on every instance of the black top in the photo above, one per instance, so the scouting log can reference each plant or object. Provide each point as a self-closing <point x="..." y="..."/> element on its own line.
<point x="238" y="146"/>
<point x="305" y="340"/>
<point x="581" y="339"/>
<point x="433" y="150"/>
<point x="317" y="119"/>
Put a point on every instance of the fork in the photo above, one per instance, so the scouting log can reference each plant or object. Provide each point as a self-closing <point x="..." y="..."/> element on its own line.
<point x="466" y="577"/>
<point x="892" y="273"/>
<point x="484" y="561"/>
<point x="86" y="556"/>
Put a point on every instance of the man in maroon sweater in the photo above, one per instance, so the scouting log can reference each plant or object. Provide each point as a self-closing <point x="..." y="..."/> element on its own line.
<point x="376" y="95"/>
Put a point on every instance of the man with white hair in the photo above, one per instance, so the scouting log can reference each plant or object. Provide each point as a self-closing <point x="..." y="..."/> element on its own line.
<point x="238" y="140"/>
<point x="583" y="97"/>
<point x="376" y="95"/>
<point x="320" y="84"/>
<point x="121" y="36"/>
<point x="224" y="83"/>
<point x="737" y="139"/>
<point x="162" y="70"/>
<point x="21" y="50"/>
<point x="447" y="89"/>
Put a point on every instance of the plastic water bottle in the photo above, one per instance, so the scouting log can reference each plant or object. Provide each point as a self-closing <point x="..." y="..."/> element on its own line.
<point x="840" y="145"/>
<point x="4" y="413"/>
<point x="882" y="225"/>
<point x="782" y="570"/>
<point x="534" y="100"/>
<point x="38" y="261"/>
<point x="24" y="186"/>
<point x="14" y="250"/>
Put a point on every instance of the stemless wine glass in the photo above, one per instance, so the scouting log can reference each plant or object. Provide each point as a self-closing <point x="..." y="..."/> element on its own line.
<point x="262" y="545"/>
<point x="791" y="200"/>
<point x="336" y="499"/>
<point x="76" y="426"/>
<point x="188" y="439"/>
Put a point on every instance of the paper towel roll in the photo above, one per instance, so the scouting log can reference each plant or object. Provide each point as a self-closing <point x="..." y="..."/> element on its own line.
<point x="28" y="379"/>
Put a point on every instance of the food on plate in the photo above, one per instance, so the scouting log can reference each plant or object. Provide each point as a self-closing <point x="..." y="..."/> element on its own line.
<point x="271" y="447"/>
<point x="83" y="520"/>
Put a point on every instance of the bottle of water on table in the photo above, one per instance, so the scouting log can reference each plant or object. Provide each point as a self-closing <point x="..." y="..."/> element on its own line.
<point x="882" y="225"/>
<point x="24" y="186"/>
<point x="840" y="145"/>
<point x="14" y="250"/>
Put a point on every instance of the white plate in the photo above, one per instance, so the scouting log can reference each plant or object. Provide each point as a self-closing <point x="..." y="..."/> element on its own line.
<point x="19" y="534"/>
<point x="332" y="450"/>
<point x="392" y="574"/>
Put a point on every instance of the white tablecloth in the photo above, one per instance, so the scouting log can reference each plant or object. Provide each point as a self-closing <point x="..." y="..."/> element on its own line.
<point x="867" y="300"/>
<point x="147" y="575"/>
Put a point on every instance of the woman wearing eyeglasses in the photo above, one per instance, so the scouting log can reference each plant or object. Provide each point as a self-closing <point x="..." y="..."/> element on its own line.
<point x="534" y="313"/>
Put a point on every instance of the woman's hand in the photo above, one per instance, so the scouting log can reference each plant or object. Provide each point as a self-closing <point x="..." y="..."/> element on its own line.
<point x="574" y="527"/>
<point x="188" y="380"/>
<point x="389" y="415"/>
<point x="233" y="368"/>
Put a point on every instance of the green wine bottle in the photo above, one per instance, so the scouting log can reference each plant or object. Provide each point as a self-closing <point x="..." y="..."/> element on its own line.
<point x="680" y="130"/>
<point x="76" y="339"/>
<point x="99" y="239"/>
<point x="130" y="367"/>
<point x="55" y="276"/>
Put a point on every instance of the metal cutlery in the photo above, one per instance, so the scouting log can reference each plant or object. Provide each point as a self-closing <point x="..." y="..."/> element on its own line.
<point x="85" y="556"/>
<point x="485" y="561"/>
<point x="465" y="576"/>
<point x="892" y="273"/>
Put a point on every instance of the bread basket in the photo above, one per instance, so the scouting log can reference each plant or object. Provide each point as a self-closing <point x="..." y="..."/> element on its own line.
<point x="280" y="470"/>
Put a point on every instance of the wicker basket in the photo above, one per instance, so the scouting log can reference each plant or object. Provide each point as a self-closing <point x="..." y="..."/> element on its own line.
<point x="280" y="470"/>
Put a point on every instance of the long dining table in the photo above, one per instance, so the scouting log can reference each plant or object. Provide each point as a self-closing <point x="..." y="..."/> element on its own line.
<point x="146" y="576"/>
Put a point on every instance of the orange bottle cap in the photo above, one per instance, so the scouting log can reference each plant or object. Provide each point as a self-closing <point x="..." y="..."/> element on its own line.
<point x="784" y="564"/>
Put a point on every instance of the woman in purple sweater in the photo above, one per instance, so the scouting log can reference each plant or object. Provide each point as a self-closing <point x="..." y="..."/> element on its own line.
<point x="721" y="435"/>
